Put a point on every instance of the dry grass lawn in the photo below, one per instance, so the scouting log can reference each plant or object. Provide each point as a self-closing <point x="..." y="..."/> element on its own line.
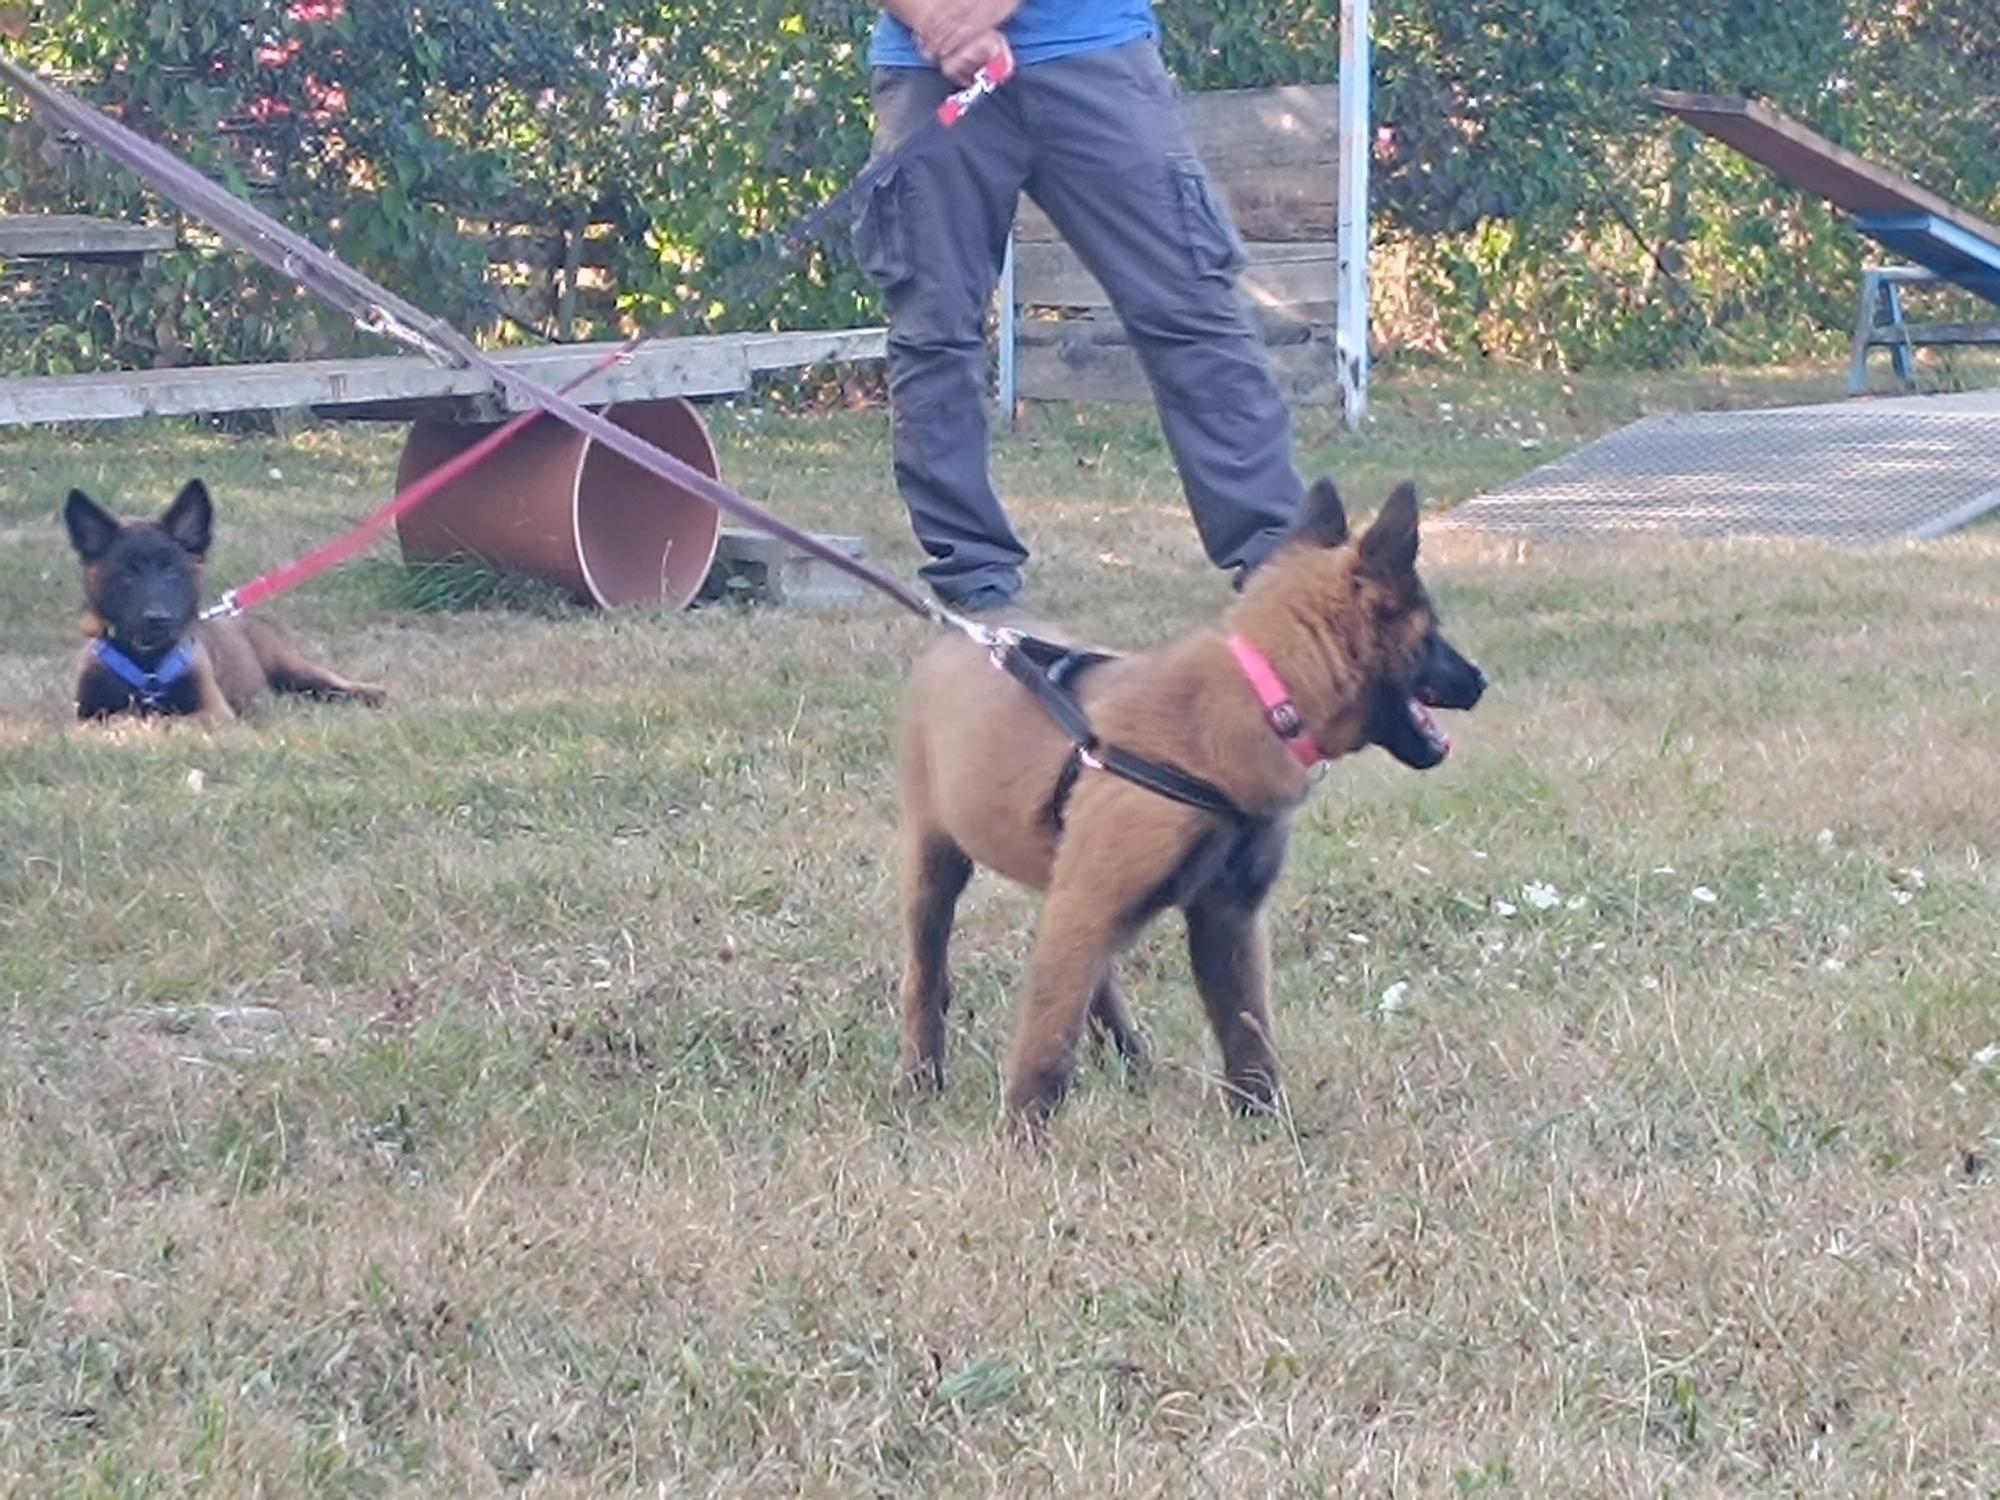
<point x="490" y="1096"/>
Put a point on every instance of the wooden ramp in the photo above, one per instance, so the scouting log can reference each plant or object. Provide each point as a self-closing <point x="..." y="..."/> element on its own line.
<point x="1911" y="220"/>
<point x="1854" y="473"/>
<point x="400" y="387"/>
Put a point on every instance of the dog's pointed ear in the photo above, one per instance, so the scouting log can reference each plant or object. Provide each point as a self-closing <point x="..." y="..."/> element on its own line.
<point x="190" y="518"/>
<point x="92" y="528"/>
<point x="1389" y="549"/>
<point x="1322" y="519"/>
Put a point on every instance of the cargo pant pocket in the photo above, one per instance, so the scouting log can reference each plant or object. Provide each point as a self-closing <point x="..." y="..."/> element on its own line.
<point x="882" y="234"/>
<point x="1213" y="245"/>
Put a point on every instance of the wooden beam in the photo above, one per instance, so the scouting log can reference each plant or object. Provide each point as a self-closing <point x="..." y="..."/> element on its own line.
<point x="74" y="237"/>
<point x="1084" y="369"/>
<point x="1885" y="335"/>
<point x="1273" y="203"/>
<point x="395" y="387"/>
<point x="1293" y="126"/>
<point x="1279" y="324"/>
<point x="1277" y="275"/>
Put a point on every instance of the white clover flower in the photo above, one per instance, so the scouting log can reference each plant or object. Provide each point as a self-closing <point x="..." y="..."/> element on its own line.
<point x="1541" y="895"/>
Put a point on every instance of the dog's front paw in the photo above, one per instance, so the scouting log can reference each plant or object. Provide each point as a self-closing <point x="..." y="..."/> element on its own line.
<point x="1253" y="1092"/>
<point x="368" y="693"/>
<point x="1027" y="1130"/>
<point x="920" y="1077"/>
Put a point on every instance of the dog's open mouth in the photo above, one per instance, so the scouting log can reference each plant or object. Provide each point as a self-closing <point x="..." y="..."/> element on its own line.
<point x="1403" y="725"/>
<point x="1428" y="726"/>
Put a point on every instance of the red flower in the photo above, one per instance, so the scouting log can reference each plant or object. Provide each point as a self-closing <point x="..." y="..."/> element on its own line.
<point x="329" y="98"/>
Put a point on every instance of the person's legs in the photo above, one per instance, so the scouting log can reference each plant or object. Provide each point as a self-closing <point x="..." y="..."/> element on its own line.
<point x="1115" y="168"/>
<point x="932" y="234"/>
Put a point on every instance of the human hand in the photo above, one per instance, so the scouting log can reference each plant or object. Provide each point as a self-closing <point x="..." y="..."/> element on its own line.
<point x="945" y="28"/>
<point x="960" y="66"/>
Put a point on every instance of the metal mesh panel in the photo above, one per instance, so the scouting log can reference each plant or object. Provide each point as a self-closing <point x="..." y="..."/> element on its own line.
<point x="1852" y="473"/>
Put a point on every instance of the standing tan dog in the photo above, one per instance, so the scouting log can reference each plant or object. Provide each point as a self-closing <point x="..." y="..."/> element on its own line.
<point x="149" y="654"/>
<point x="1334" y="646"/>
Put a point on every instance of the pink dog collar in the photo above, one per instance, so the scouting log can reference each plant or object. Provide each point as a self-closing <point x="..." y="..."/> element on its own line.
<point x="1279" y="711"/>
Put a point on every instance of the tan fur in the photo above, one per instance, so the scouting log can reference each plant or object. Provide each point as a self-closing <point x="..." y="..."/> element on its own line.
<point x="979" y="760"/>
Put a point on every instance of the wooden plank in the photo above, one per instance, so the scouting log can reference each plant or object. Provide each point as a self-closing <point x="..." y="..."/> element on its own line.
<point x="1285" y="324"/>
<point x="1885" y="335"/>
<point x="1268" y="202"/>
<point x="1808" y="160"/>
<point x="1087" y="371"/>
<point x="1274" y="154"/>
<point x="1277" y="275"/>
<point x="795" y="349"/>
<point x="394" y="387"/>
<point x="1296" y="126"/>
<point x="179" y="392"/>
<point x="74" y="237"/>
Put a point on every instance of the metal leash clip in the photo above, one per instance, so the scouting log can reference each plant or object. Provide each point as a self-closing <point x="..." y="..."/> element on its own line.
<point x="383" y="324"/>
<point x="225" y="608"/>
<point x="995" y="640"/>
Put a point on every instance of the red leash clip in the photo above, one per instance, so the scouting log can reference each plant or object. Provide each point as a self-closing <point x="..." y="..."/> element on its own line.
<point x="984" y="82"/>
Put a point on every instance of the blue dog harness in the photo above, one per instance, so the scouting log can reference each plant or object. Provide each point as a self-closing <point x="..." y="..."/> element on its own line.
<point x="150" y="688"/>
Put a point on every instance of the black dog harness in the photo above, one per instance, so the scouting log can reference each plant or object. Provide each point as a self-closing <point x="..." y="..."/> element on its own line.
<point x="1046" y="669"/>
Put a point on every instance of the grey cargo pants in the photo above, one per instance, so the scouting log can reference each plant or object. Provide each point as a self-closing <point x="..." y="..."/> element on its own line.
<point x="1099" y="141"/>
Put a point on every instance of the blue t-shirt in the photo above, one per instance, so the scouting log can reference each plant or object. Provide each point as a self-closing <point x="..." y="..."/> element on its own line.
<point x="1038" y="31"/>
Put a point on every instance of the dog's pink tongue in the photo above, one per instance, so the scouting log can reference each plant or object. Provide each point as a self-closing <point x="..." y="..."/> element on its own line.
<point x="1440" y="741"/>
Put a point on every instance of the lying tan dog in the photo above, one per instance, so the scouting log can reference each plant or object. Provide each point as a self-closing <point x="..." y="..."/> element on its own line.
<point x="149" y="654"/>
<point x="1334" y="646"/>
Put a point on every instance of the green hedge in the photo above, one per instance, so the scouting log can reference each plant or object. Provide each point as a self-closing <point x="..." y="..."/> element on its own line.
<point x="1528" y="200"/>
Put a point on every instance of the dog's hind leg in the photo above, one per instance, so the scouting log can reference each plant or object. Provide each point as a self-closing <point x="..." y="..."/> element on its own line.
<point x="290" y="670"/>
<point x="1230" y="947"/>
<point x="1111" y="1021"/>
<point x="935" y="872"/>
